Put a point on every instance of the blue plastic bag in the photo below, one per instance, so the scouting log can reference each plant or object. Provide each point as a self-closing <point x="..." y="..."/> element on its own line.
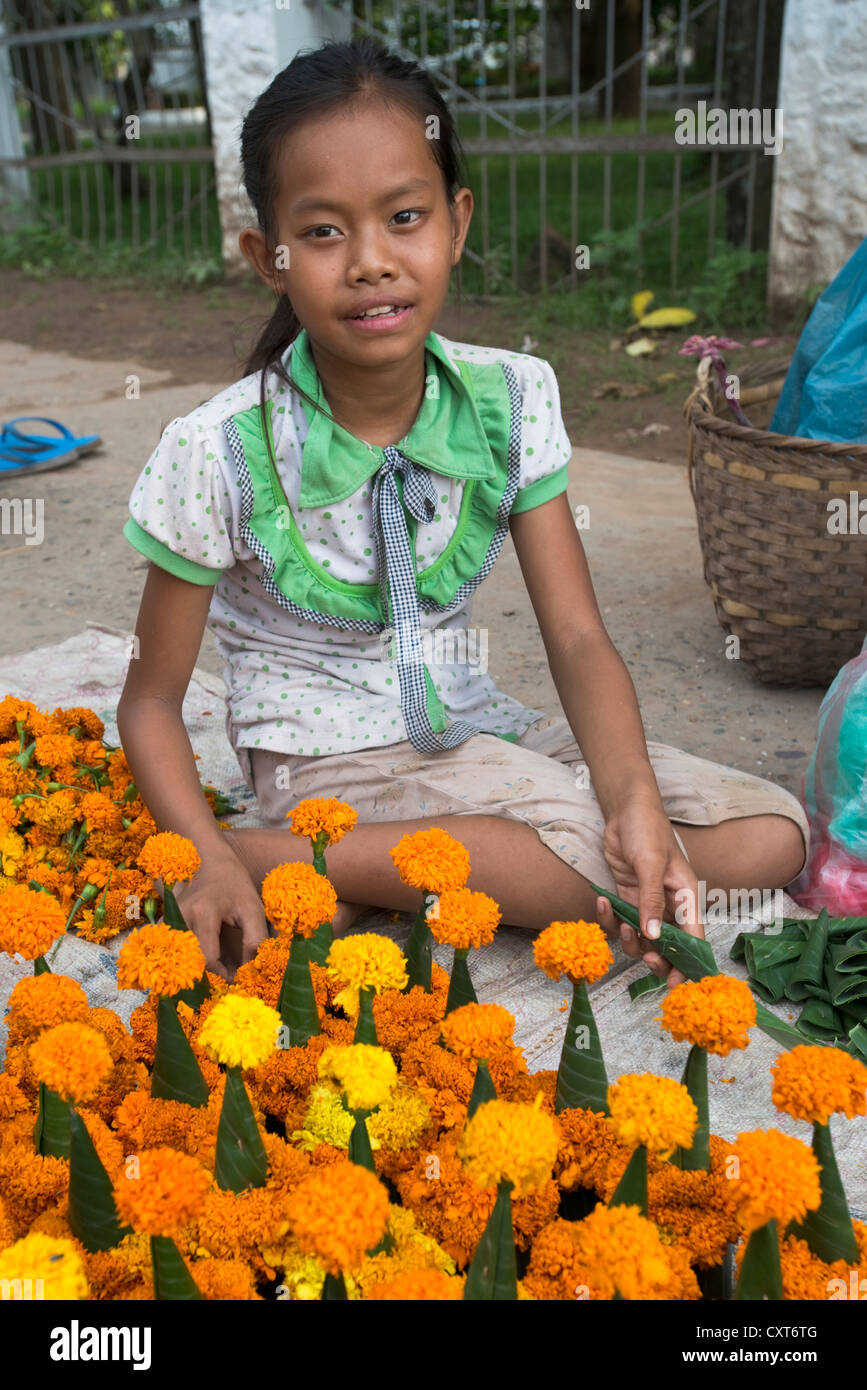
<point x="825" y="392"/>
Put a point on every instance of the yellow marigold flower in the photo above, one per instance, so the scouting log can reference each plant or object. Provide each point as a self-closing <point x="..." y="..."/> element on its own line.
<point x="713" y="1013"/>
<point x="163" y="1191"/>
<point x="54" y="1265"/>
<point x="12" y="850"/>
<point x="169" y="856"/>
<point x="365" y="1074"/>
<point x="510" y="1142"/>
<point x="365" y="961"/>
<point x="431" y="860"/>
<point x="318" y="813"/>
<point x="297" y="899"/>
<point x="160" y="958"/>
<point x="40" y="1001"/>
<point x="240" y="1031"/>
<point x="418" y="1285"/>
<point x="654" y="1111"/>
<point x="577" y="949"/>
<point x="72" y="1060"/>
<point x="326" y="1121"/>
<point x="30" y="921"/>
<point x="478" y="1031"/>
<point x="814" y="1083"/>
<point x="338" y="1214"/>
<point x="777" y="1179"/>
<point x="622" y="1252"/>
<point x="400" y="1121"/>
<point x="462" y="918"/>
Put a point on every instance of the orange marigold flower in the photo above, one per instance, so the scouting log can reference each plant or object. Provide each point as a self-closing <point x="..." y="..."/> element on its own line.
<point x="462" y="918"/>
<point x="478" y="1031"/>
<point x="417" y="1285"/>
<point x="777" y="1179"/>
<point x="100" y="812"/>
<point x="322" y="813"/>
<point x="806" y="1278"/>
<point x="79" y="716"/>
<point x="41" y="1001"/>
<point x="169" y="856"/>
<point x="587" y="1145"/>
<point x="338" y="1214"/>
<point x="577" y="949"/>
<point x="713" y="1013"/>
<point x="163" y="1191"/>
<point x="56" y="749"/>
<point x="297" y="899"/>
<point x="72" y="1060"/>
<point x="57" y="813"/>
<point x="12" y="1098"/>
<point x="160" y="958"/>
<point x="654" y="1111"/>
<point x="30" y="921"/>
<point x="613" y="1250"/>
<point x="431" y="860"/>
<point x="814" y="1083"/>
<point x="509" y="1142"/>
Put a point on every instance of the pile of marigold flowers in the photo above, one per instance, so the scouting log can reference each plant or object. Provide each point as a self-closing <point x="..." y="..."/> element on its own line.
<point x="346" y="1120"/>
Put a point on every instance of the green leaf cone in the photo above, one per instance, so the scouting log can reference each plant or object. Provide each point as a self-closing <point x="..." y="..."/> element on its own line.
<point x="365" y="1028"/>
<point x="176" y="1073"/>
<point x="241" y="1160"/>
<point x="297" y="1002"/>
<point x="334" y="1288"/>
<point x="483" y="1088"/>
<point x="631" y="1191"/>
<point x="320" y="943"/>
<point x="582" y="1082"/>
<point x="172" y="1279"/>
<point x="41" y="966"/>
<point x="695" y="1080"/>
<point x="828" y="1230"/>
<point x="419" y="950"/>
<point x="493" y="1273"/>
<point x="51" y="1132"/>
<point x="761" y="1276"/>
<point x="460" y="985"/>
<point x="360" y="1151"/>
<point x="201" y="989"/>
<point x="92" y="1213"/>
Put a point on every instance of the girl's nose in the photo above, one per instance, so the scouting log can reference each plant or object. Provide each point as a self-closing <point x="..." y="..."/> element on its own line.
<point x="371" y="257"/>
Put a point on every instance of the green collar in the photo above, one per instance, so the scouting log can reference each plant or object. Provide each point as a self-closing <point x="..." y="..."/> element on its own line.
<point x="447" y="435"/>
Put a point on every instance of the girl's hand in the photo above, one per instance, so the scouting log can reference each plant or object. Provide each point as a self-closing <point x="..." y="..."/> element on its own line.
<point x="222" y="892"/>
<point x="649" y="869"/>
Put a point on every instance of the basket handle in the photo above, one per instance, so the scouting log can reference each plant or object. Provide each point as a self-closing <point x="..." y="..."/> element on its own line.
<point x="699" y="392"/>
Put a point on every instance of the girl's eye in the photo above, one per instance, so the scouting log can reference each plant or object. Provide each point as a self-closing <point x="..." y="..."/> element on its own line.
<point x="324" y="227"/>
<point x="408" y="212"/>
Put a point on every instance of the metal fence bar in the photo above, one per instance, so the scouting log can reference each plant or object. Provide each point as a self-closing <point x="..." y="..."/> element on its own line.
<point x="678" y="159"/>
<point x="757" y="105"/>
<point x="99" y="28"/>
<point x="609" y="107"/>
<point x="641" y="184"/>
<point x="575" y="117"/>
<point x="513" y="162"/>
<point x="543" y="167"/>
<point x="483" y="131"/>
<point x="717" y="98"/>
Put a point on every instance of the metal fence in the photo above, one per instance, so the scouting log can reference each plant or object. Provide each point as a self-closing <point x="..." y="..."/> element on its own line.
<point x="112" y="125"/>
<point x="554" y="165"/>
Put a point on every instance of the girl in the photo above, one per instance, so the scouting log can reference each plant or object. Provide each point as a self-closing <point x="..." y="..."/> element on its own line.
<point x="333" y="512"/>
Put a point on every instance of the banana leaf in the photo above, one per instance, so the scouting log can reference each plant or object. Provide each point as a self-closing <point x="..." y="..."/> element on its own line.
<point x="694" y="957"/>
<point x="365" y="1028"/>
<point x="819" y="1022"/>
<point x="858" y="1041"/>
<point x="809" y="971"/>
<point x="483" y="1088"/>
<point x="176" y="1073"/>
<point x="761" y="1276"/>
<point x="41" y="966"/>
<point x="493" y="1273"/>
<point x="321" y="942"/>
<point x="201" y="990"/>
<point x="850" y="956"/>
<point x="631" y="1191"/>
<point x="51" y="1132"/>
<point x="845" y="988"/>
<point x="419" y="949"/>
<point x="92" y="1213"/>
<point x="828" y="1230"/>
<point x="297" y="1002"/>
<point x="695" y="1080"/>
<point x="172" y="1279"/>
<point x="241" y="1160"/>
<point x="461" y="989"/>
<point x="359" y="1142"/>
<point x="334" y="1289"/>
<point x="582" y="1082"/>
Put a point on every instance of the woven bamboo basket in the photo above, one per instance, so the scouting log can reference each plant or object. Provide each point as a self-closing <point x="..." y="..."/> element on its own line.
<point x="793" y="593"/>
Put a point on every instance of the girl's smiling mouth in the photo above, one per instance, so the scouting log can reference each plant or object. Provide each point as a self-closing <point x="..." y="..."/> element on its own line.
<point x="380" y="315"/>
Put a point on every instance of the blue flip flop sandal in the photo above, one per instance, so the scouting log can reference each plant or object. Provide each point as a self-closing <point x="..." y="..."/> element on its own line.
<point x="22" y="453"/>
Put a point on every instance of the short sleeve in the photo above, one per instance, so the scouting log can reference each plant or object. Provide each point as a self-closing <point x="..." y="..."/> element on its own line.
<point x="181" y="508"/>
<point x="545" y="446"/>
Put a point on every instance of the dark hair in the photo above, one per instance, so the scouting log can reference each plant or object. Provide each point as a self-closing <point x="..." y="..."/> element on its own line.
<point x="314" y="82"/>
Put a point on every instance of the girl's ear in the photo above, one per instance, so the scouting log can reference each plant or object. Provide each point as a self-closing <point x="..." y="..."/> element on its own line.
<point x="255" y="249"/>
<point x="462" y="212"/>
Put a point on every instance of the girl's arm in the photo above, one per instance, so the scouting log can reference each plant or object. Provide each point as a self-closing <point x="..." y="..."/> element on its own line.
<point x="170" y="624"/>
<point x="600" y="703"/>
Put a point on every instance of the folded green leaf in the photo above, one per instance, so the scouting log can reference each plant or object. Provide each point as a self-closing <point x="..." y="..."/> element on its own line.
<point x="695" y="1080"/>
<point x="582" y="1082"/>
<point x="92" y="1213"/>
<point x="334" y="1289"/>
<point x="359" y="1142"/>
<point x="365" y="1028"/>
<point x="461" y="989"/>
<point x="297" y="1002"/>
<point x="645" y="984"/>
<point x="172" y="1279"/>
<point x="320" y="943"/>
<point x="419" y="949"/>
<point x="483" y="1088"/>
<point x="51" y="1132"/>
<point x="819" y="1022"/>
<point x="197" y="993"/>
<point x="241" y="1161"/>
<point x="828" y="1230"/>
<point x="493" y="1274"/>
<point x="631" y="1191"/>
<point x="176" y="1072"/>
<point x="761" y="1276"/>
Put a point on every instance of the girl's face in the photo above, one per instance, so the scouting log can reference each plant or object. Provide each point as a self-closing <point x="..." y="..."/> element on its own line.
<point x="362" y="220"/>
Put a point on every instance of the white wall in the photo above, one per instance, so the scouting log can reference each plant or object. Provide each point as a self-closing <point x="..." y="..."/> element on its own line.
<point x="819" y="213"/>
<point x="246" y="45"/>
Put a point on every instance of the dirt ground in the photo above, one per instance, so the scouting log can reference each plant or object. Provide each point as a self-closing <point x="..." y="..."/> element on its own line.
<point x="67" y="348"/>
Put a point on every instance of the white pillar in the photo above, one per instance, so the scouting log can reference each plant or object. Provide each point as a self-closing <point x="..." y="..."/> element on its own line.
<point x="245" y="47"/>
<point x="819" y="211"/>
